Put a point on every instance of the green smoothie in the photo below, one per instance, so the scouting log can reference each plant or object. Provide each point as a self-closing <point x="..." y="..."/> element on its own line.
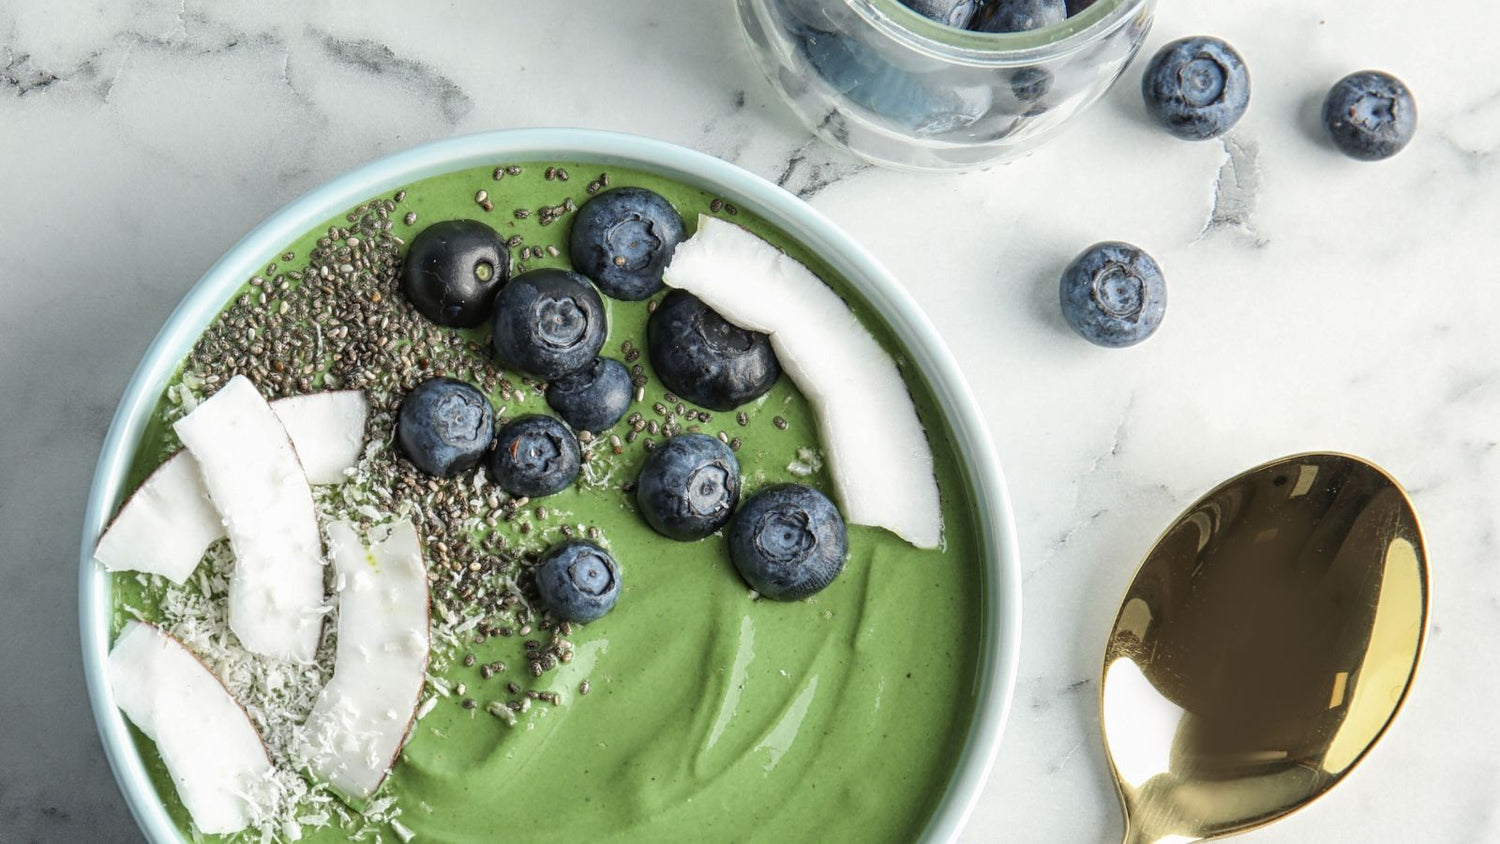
<point x="692" y="711"/>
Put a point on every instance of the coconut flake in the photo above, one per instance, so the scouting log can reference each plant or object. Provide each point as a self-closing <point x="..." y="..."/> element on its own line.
<point x="165" y="526"/>
<point x="328" y="431"/>
<point x="878" y="453"/>
<point x="206" y="740"/>
<point x="169" y="522"/>
<point x="380" y="662"/>
<point x="251" y="471"/>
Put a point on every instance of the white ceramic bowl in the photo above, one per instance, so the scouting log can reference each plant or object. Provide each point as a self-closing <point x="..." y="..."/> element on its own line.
<point x="1001" y="605"/>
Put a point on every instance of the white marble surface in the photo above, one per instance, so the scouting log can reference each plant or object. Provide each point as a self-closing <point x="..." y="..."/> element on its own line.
<point x="1315" y="303"/>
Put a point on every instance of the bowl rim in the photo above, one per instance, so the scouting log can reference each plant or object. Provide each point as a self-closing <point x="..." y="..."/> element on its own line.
<point x="1001" y="600"/>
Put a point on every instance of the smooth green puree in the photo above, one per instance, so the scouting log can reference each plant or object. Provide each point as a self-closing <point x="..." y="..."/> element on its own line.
<point x="709" y="715"/>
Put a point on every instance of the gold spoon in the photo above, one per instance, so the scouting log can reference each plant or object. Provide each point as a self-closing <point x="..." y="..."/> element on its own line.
<point x="1264" y="646"/>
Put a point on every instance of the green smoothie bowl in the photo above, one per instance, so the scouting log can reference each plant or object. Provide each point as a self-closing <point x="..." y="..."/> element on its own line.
<point x="303" y="621"/>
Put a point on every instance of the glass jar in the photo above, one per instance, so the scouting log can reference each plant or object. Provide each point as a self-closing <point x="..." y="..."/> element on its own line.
<point x="904" y="91"/>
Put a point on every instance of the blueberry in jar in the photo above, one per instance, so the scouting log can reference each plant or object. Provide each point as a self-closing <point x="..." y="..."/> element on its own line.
<point x="1196" y="88"/>
<point x="578" y="581"/>
<point x="867" y="79"/>
<point x="956" y="13"/>
<point x="1019" y="15"/>
<point x="1113" y="295"/>
<point x="704" y="358"/>
<point x="688" y="487"/>
<point x="453" y="270"/>
<point x="548" y="323"/>
<point x="788" y="542"/>
<point x="535" y="455"/>
<point x="444" y="426"/>
<point x="1030" y="84"/>
<point x="1370" y="115"/>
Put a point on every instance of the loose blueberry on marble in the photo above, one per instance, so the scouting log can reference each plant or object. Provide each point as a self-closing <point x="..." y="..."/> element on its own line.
<point x="453" y="270"/>
<point x="859" y="73"/>
<point x="548" y="323"/>
<point x="1019" y="15"/>
<point x="1113" y="295"/>
<point x="788" y="542"/>
<point x="622" y="239"/>
<point x="955" y="13"/>
<point x="1196" y="88"/>
<point x="705" y="359"/>
<point x="444" y="426"/>
<point x="1370" y="115"/>
<point x="578" y="581"/>
<point x="688" y="487"/>
<point x="593" y="398"/>
<point x="535" y="455"/>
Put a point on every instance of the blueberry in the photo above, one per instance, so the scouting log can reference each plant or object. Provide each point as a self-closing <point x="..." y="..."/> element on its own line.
<point x="1019" y="15"/>
<point x="1370" y="115"/>
<point x="623" y="238"/>
<point x="548" y="323"/>
<point x="705" y="359"/>
<point x="444" y="426"/>
<point x="788" y="542"/>
<point x="453" y="271"/>
<point x="951" y="12"/>
<point x="535" y="455"/>
<point x="688" y="486"/>
<point x="1030" y="84"/>
<point x="1113" y="294"/>
<point x="1196" y="88"/>
<point x="578" y="581"/>
<point x="921" y="106"/>
<point x="1077" y="6"/>
<point x="593" y="398"/>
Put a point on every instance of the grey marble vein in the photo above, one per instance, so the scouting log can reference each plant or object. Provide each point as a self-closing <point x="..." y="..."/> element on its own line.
<point x="815" y="166"/>
<point x="378" y="59"/>
<point x="1235" y="190"/>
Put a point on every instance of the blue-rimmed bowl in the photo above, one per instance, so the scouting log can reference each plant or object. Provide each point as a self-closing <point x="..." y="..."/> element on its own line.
<point x="1001" y="605"/>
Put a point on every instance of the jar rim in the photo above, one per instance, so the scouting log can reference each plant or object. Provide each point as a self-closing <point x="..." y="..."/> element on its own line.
<point x="940" y="40"/>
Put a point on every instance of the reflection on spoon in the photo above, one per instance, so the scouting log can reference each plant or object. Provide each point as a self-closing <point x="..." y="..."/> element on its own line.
<point x="1264" y="646"/>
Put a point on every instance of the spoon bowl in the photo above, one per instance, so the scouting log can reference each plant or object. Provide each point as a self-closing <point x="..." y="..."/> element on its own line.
<point x="1267" y="641"/>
